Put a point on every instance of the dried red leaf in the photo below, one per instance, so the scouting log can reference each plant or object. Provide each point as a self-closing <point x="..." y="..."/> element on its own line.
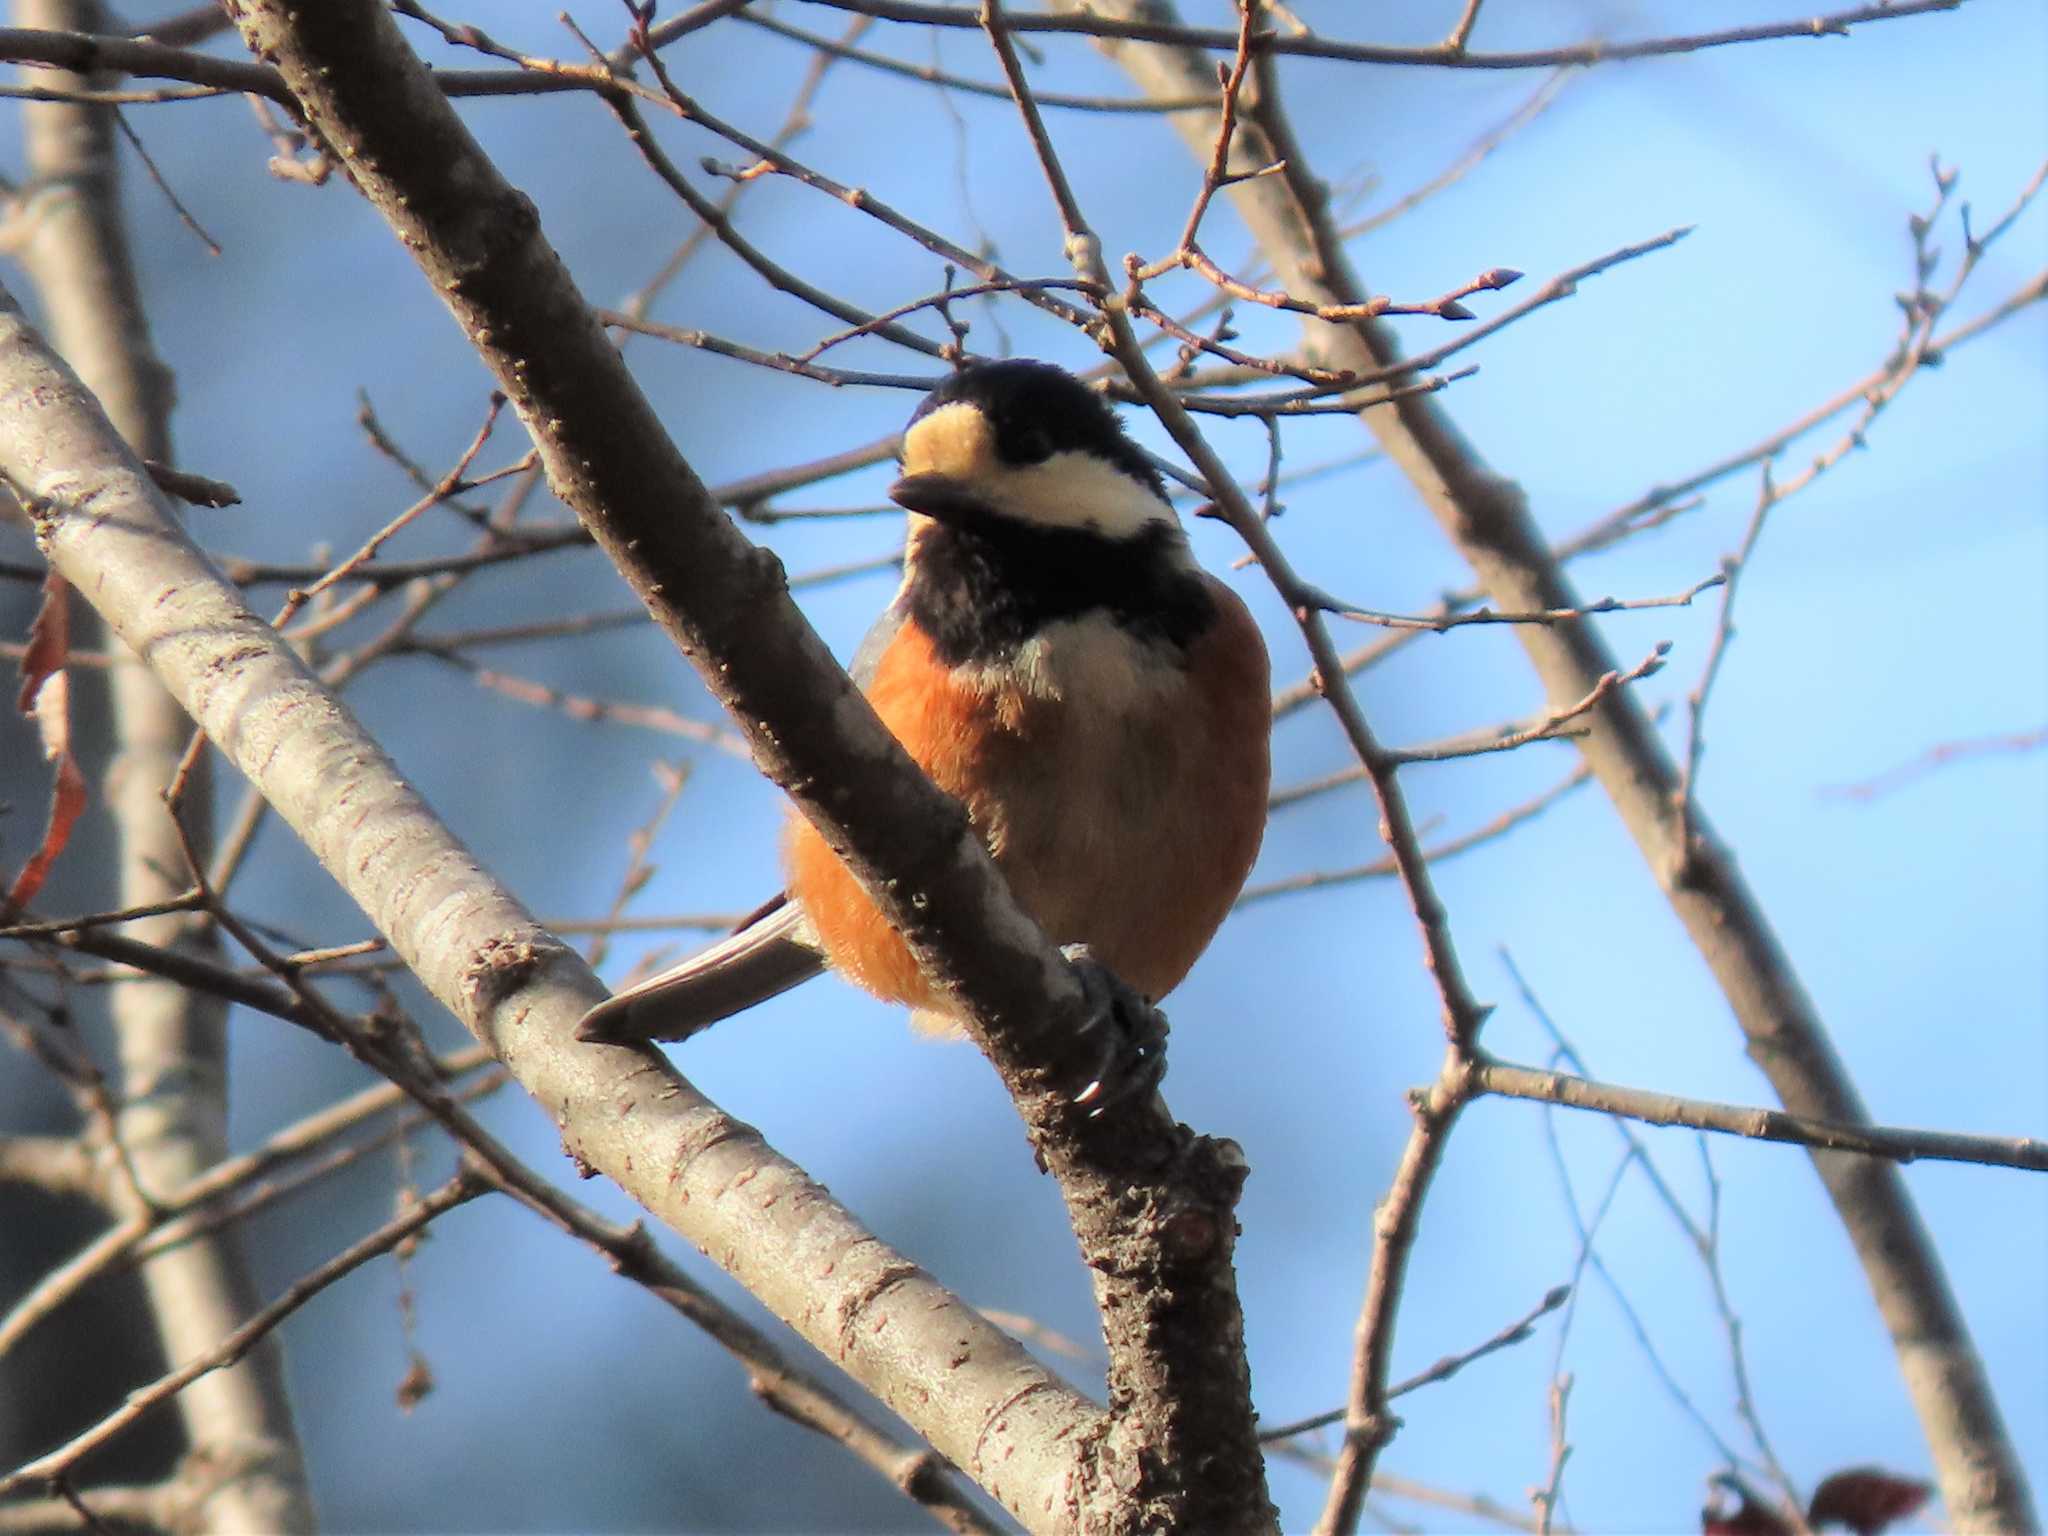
<point x="49" y="642"/>
<point x="45" y="697"/>
<point x="1866" y="1500"/>
<point x="1744" y="1520"/>
<point x="1750" y="1515"/>
<point x="67" y="803"/>
<point x="418" y="1382"/>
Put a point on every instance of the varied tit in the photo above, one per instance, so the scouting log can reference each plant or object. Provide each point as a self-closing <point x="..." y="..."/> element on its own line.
<point x="1057" y="661"/>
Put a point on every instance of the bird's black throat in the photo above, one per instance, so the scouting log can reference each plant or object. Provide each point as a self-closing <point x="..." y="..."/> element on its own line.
<point x="980" y="592"/>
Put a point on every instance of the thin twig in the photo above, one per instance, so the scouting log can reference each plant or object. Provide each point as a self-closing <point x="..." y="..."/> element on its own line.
<point x="47" y="1469"/>
<point x="1315" y="46"/>
<point x="952" y="82"/>
<point x="1440" y="622"/>
<point x="1903" y="1146"/>
<point x="1514" y="1333"/>
<point x="671" y="777"/>
<point x="1386" y="865"/>
<point x="1921" y="311"/>
<point x="1936" y="757"/>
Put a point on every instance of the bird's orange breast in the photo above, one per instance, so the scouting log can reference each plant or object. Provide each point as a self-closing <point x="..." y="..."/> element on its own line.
<point x="1122" y="795"/>
<point x="948" y="729"/>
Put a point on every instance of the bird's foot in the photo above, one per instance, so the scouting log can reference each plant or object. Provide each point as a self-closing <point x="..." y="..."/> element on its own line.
<point x="1131" y="1034"/>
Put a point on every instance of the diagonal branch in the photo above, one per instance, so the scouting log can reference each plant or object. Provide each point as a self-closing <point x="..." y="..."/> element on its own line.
<point x="1485" y="515"/>
<point x="965" y="1385"/>
<point x="1151" y="1203"/>
<point x="1187" y="1433"/>
<point x="1147" y="1195"/>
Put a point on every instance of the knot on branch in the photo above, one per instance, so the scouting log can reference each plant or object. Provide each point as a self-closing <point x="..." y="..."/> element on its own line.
<point x="501" y="967"/>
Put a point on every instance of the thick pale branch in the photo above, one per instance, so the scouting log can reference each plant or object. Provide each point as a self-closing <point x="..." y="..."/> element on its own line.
<point x="57" y="1165"/>
<point x="171" y="1042"/>
<point x="964" y="1384"/>
<point x="1148" y="1199"/>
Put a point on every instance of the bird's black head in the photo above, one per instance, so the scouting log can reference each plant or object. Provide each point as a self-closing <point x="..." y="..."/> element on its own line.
<point x="1029" y="443"/>
<point x="1041" y="512"/>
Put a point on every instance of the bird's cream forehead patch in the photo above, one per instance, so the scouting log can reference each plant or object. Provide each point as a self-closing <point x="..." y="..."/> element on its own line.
<point x="956" y="440"/>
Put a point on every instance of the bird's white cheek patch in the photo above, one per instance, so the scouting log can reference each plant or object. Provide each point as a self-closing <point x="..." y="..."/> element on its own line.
<point x="1079" y="490"/>
<point x="955" y="440"/>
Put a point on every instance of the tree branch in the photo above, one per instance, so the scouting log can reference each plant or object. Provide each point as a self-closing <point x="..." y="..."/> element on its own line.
<point x="384" y="119"/>
<point x="225" y="1352"/>
<point x="1156" y="23"/>
<point x="171" y="1041"/>
<point x="1899" y="1145"/>
<point x="1151" y="1203"/>
<point x="965" y="1385"/>
<point x="1486" y="516"/>
<point x="57" y="1165"/>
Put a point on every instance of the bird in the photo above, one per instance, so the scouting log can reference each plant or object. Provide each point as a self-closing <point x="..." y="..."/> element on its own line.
<point x="1057" y="661"/>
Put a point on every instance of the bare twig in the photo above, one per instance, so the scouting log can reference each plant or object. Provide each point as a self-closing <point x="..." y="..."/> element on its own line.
<point x="671" y="777"/>
<point x="1705" y="1245"/>
<point x="1386" y="866"/>
<point x="1438" y="623"/>
<point x="449" y="485"/>
<point x="1531" y="109"/>
<point x="1904" y="1146"/>
<point x="952" y="82"/>
<point x="1449" y="1366"/>
<point x="1546" y="1497"/>
<point x="1937" y="757"/>
<point x="46" y="1469"/>
<point x="87" y="53"/>
<point x="1461" y="29"/>
<point x="795" y="123"/>
<point x="1921" y="311"/>
<point x="1112" y="26"/>
<point x="1484" y="513"/>
<point x="1549" y="727"/>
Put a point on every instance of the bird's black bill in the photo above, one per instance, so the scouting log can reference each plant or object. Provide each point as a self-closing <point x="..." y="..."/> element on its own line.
<point x="941" y="497"/>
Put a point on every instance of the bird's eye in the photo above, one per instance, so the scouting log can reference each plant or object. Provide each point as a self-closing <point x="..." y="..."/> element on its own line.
<point x="1027" y="445"/>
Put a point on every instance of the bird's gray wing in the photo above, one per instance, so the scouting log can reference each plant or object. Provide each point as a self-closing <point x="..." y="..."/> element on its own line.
<point x="770" y="952"/>
<point x="868" y="654"/>
<point x="767" y="954"/>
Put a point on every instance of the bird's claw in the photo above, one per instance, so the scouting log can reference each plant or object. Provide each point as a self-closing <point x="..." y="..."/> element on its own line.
<point x="1131" y="1033"/>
